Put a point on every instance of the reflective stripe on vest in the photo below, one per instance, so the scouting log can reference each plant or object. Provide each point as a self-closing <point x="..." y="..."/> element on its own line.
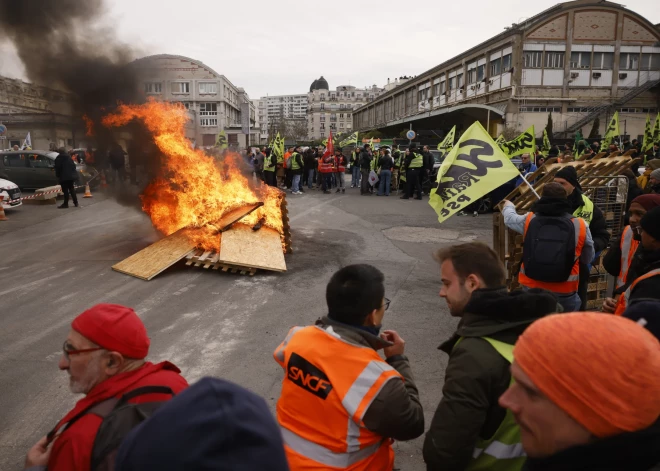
<point x="628" y="248"/>
<point x="586" y="211"/>
<point x="294" y="162"/>
<point x="573" y="281"/>
<point x="622" y="304"/>
<point x="417" y="161"/>
<point x="330" y="384"/>
<point x="504" y="450"/>
<point x="324" y="456"/>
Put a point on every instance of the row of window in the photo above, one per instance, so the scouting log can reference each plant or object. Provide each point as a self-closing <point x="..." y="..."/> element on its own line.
<point x="540" y="109"/>
<point x="205" y="88"/>
<point x="557" y="109"/>
<point x="341" y="106"/>
<point x="590" y="60"/>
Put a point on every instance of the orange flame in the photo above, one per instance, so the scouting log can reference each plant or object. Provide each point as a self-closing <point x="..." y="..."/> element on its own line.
<point x="194" y="191"/>
<point x="89" y="125"/>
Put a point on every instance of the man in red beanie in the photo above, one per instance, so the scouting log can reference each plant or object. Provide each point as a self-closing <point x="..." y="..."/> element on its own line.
<point x="586" y="394"/>
<point x="104" y="355"/>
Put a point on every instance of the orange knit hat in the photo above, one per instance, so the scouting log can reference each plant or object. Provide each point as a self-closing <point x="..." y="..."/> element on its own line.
<point x="602" y="370"/>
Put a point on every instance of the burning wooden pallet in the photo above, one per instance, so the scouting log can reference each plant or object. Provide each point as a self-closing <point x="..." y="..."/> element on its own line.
<point x="594" y="175"/>
<point x="244" y="249"/>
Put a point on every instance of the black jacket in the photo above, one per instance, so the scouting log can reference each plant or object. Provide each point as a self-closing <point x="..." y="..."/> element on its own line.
<point x="643" y="262"/>
<point x="65" y="168"/>
<point x="365" y="160"/>
<point x="428" y="160"/>
<point x="598" y="226"/>
<point x="633" y="451"/>
<point x="386" y="162"/>
<point x="477" y="375"/>
<point x="310" y="160"/>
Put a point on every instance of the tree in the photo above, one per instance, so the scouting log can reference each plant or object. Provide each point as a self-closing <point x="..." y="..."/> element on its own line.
<point x="548" y="127"/>
<point x="296" y="129"/>
<point x="595" y="130"/>
<point x="375" y="134"/>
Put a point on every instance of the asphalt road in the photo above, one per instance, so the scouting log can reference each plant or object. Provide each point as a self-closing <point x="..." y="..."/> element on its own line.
<point x="56" y="263"/>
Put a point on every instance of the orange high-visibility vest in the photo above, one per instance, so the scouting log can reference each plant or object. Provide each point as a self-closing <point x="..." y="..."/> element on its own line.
<point x="628" y="248"/>
<point x="573" y="281"/>
<point x="328" y="386"/>
<point x="622" y="303"/>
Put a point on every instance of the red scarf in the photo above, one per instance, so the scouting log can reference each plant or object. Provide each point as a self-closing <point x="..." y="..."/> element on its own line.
<point x="112" y="387"/>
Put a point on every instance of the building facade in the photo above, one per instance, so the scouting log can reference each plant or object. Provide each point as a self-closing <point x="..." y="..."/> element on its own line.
<point x="276" y="112"/>
<point x="45" y="113"/>
<point x="580" y="60"/>
<point x="332" y="110"/>
<point x="215" y="103"/>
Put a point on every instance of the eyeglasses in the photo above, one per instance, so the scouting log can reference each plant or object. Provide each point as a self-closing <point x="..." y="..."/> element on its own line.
<point x="71" y="351"/>
<point x="386" y="305"/>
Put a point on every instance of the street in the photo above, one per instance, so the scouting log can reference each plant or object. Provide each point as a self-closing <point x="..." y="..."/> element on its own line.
<point x="56" y="263"/>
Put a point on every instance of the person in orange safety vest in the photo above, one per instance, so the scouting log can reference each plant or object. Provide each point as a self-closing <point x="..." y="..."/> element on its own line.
<point x="554" y="243"/>
<point x="341" y="404"/>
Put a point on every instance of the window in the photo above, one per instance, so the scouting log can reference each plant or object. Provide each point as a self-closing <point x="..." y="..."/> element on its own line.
<point x="603" y="60"/>
<point x="580" y="60"/>
<point x="443" y="87"/>
<point x="180" y="87"/>
<point x="460" y="81"/>
<point x="532" y="59"/>
<point x="152" y="87"/>
<point x="208" y="113"/>
<point x="495" y="67"/>
<point x="541" y="109"/>
<point x="210" y="88"/>
<point x="506" y="63"/>
<point x="554" y="60"/>
<point x="423" y="95"/>
<point x="341" y="116"/>
<point x="651" y="61"/>
<point x="322" y="96"/>
<point x="322" y="118"/>
<point x="629" y="61"/>
<point x="452" y="83"/>
<point x="481" y="73"/>
<point x="187" y="105"/>
<point x="39" y="161"/>
<point x="16" y="160"/>
<point x="472" y="76"/>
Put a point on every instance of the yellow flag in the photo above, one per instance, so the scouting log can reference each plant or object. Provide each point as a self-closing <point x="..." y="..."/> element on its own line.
<point x="221" y="140"/>
<point x="656" y="129"/>
<point x="545" y="149"/>
<point x="611" y="133"/>
<point x="500" y="140"/>
<point x="474" y="167"/>
<point x="448" y="142"/>
<point x="523" y="144"/>
<point x="352" y="139"/>
<point x="648" y="135"/>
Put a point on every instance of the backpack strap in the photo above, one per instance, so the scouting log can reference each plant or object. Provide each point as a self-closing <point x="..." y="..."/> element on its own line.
<point x="142" y="391"/>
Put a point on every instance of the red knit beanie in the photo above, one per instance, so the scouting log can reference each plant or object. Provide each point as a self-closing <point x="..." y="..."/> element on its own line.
<point x="115" y="328"/>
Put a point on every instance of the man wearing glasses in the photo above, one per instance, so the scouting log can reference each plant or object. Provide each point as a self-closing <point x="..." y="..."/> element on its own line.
<point x="104" y="356"/>
<point x="341" y="403"/>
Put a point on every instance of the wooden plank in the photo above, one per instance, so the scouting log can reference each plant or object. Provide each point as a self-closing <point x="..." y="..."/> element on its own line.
<point x="235" y="215"/>
<point x="243" y="247"/>
<point x="155" y="258"/>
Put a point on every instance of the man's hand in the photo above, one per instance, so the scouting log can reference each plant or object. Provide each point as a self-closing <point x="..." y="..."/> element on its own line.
<point x="38" y="454"/>
<point x="399" y="343"/>
<point x="609" y="305"/>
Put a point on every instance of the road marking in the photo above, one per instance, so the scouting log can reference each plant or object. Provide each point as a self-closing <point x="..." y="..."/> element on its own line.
<point x="35" y="283"/>
<point x="309" y="210"/>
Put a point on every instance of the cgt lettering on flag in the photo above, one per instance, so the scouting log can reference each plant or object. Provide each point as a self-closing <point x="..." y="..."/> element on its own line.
<point x="473" y="168"/>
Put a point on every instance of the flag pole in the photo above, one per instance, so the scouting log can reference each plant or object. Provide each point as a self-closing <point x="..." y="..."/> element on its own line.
<point x="531" y="188"/>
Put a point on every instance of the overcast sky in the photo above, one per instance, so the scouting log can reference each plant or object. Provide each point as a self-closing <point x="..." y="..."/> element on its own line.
<point x="280" y="47"/>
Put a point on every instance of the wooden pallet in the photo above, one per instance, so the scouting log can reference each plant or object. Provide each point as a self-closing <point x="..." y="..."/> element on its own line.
<point x="286" y="237"/>
<point x="591" y="174"/>
<point x="211" y="260"/>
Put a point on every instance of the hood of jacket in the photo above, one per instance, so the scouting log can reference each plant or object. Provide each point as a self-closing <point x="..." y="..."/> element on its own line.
<point x="633" y="451"/>
<point x="547" y="206"/>
<point x="501" y="314"/>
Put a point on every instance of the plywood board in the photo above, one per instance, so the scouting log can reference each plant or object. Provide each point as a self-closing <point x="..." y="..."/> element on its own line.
<point x="255" y="249"/>
<point x="235" y="215"/>
<point x="152" y="260"/>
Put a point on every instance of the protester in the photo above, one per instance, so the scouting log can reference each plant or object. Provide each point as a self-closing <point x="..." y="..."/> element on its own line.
<point x="525" y="168"/>
<point x="386" y="164"/>
<point x="334" y="377"/>
<point x="355" y="168"/>
<point x="583" y="207"/>
<point x="644" y="180"/>
<point x="212" y="425"/>
<point x="643" y="279"/>
<point x="365" y="168"/>
<point x="340" y="171"/>
<point x="595" y="147"/>
<point x="654" y="182"/>
<point x="646" y="312"/>
<point x="67" y="175"/>
<point x="586" y="394"/>
<point x="633" y="188"/>
<point x="555" y="243"/>
<point x="429" y="161"/>
<point x="396" y="155"/>
<point x="288" y="176"/>
<point x="414" y="164"/>
<point x="554" y="151"/>
<point x="656" y="151"/>
<point x="469" y="427"/>
<point x="621" y="253"/>
<point x="117" y="163"/>
<point x="326" y="169"/>
<point x="540" y="160"/>
<point x="270" y="167"/>
<point x="258" y="163"/>
<point x="297" y="166"/>
<point x="104" y="356"/>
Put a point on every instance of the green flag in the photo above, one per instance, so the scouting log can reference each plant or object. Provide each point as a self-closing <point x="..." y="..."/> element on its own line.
<point x="578" y="138"/>
<point x="523" y="144"/>
<point x="448" y="142"/>
<point x="352" y="139"/>
<point x="611" y="133"/>
<point x="656" y="129"/>
<point x="546" y="146"/>
<point x="473" y="168"/>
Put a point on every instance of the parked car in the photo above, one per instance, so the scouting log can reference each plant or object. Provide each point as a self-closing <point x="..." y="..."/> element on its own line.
<point x="33" y="169"/>
<point x="11" y="194"/>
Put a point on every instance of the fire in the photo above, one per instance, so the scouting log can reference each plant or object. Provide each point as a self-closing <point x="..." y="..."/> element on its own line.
<point x="89" y="125"/>
<point x="194" y="190"/>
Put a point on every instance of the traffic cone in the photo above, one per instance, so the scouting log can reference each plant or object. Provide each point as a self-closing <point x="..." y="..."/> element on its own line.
<point x="3" y="217"/>
<point x="88" y="193"/>
<point x="104" y="183"/>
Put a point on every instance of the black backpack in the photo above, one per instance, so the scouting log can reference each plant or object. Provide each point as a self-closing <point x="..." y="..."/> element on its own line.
<point x="549" y="249"/>
<point x="119" y="418"/>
